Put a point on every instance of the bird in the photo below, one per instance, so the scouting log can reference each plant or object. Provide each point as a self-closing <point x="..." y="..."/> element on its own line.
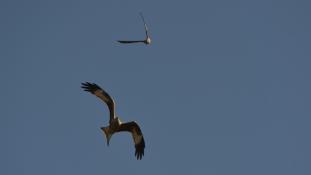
<point x="115" y="124"/>
<point x="147" y="40"/>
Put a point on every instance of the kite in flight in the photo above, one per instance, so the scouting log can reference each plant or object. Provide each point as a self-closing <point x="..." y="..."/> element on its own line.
<point x="147" y="39"/>
<point x="115" y="124"/>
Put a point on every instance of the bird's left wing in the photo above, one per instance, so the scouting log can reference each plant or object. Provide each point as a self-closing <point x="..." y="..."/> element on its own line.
<point x="137" y="135"/>
<point x="129" y="42"/>
<point x="103" y="95"/>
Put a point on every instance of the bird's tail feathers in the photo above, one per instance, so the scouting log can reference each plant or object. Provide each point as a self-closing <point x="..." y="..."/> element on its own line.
<point x="107" y="132"/>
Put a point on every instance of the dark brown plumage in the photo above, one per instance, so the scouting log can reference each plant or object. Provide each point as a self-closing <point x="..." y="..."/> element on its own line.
<point x="115" y="124"/>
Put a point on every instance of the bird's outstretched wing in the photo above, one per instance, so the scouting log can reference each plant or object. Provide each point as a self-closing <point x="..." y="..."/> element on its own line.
<point x="146" y="28"/>
<point x="137" y="135"/>
<point x="129" y="42"/>
<point x="103" y="95"/>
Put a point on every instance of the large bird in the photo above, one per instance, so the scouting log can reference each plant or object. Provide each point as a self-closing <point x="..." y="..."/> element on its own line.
<point x="147" y="39"/>
<point x="115" y="124"/>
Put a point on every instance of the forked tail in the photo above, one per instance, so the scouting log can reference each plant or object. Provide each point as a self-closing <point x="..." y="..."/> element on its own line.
<point x="107" y="132"/>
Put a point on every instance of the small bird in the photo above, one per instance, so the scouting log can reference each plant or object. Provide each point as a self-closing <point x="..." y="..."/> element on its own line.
<point x="115" y="124"/>
<point x="147" y="39"/>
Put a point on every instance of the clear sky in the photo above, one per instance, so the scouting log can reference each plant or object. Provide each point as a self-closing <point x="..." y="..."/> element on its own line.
<point x="223" y="89"/>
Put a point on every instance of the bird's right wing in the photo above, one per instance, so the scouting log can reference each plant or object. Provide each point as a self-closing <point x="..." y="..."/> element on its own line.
<point x="146" y="28"/>
<point x="129" y="42"/>
<point x="137" y="135"/>
<point x="103" y="95"/>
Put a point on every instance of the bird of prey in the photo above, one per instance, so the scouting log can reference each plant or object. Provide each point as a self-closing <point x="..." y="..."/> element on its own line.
<point x="115" y="124"/>
<point x="147" y="40"/>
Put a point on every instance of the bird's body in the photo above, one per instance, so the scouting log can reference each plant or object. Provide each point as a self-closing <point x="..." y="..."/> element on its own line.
<point x="115" y="124"/>
<point x="146" y="41"/>
<point x="112" y="128"/>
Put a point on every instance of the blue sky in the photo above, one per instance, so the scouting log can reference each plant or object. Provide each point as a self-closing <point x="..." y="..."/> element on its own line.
<point x="223" y="89"/>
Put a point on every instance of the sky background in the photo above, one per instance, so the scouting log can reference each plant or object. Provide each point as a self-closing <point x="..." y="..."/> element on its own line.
<point x="223" y="89"/>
